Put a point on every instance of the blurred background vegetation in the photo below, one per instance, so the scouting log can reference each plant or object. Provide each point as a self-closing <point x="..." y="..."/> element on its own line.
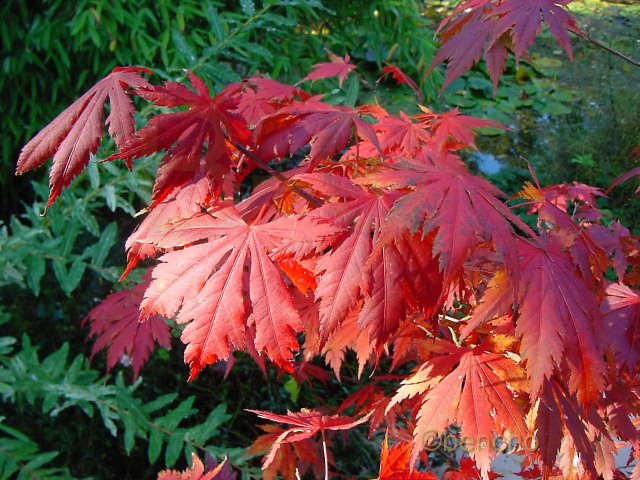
<point x="572" y="121"/>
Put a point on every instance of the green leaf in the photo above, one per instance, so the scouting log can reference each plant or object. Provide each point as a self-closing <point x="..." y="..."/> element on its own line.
<point x="174" y="447"/>
<point x="86" y="219"/>
<point x="200" y="434"/>
<point x="129" y="433"/>
<point x="248" y="7"/>
<point x="183" y="47"/>
<point x="106" y="241"/>
<point x="352" y="91"/>
<point x="36" y="266"/>
<point x="74" y="276"/>
<point x="292" y="387"/>
<point x="5" y="345"/>
<point x="109" y="194"/>
<point x="155" y="445"/>
<point x="94" y="175"/>
<point x="172" y="419"/>
<point x="214" y="21"/>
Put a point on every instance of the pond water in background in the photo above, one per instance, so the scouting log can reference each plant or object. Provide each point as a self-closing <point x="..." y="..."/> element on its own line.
<point x="487" y="163"/>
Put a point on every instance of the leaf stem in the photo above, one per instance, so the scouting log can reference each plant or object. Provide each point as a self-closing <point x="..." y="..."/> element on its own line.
<point x="324" y="454"/>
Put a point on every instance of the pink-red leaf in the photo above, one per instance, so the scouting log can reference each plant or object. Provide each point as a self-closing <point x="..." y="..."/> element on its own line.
<point x="621" y="309"/>
<point x="492" y="27"/>
<point x="194" y="139"/>
<point x="452" y="125"/>
<point x="77" y="131"/>
<point x="306" y="424"/>
<point x="395" y="463"/>
<point x="326" y="128"/>
<point x="337" y="67"/>
<point x="466" y="396"/>
<point x="402" y="78"/>
<point x="230" y="284"/>
<point x="197" y="472"/>
<point x="115" y="324"/>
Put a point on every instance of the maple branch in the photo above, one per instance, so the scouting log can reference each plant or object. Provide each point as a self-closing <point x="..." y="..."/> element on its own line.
<point x="309" y="197"/>
<point x="615" y="52"/>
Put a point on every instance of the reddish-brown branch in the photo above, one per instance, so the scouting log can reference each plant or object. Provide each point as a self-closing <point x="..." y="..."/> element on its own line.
<point x="615" y="52"/>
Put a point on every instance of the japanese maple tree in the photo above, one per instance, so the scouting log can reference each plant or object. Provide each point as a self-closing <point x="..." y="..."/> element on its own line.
<point x="379" y="240"/>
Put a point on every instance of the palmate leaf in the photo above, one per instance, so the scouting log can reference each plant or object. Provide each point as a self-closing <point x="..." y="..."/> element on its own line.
<point x="561" y="425"/>
<point x="402" y="78"/>
<point x="185" y="134"/>
<point x="452" y="125"/>
<point x="305" y="424"/>
<point x="395" y="463"/>
<point x="326" y="128"/>
<point x="291" y="460"/>
<point x="399" y="278"/>
<point x="197" y="472"/>
<point x="337" y="67"/>
<point x="178" y="205"/>
<point x="263" y="96"/>
<point x="464" y="387"/>
<point x="556" y="317"/>
<point x="114" y="323"/>
<point x="621" y="309"/>
<point x="77" y="131"/>
<point x="229" y="290"/>
<point x="463" y="210"/>
<point x="400" y="135"/>
<point x="492" y="28"/>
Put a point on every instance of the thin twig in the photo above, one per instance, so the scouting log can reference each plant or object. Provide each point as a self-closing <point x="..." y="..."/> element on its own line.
<point x="309" y="197"/>
<point x="615" y="52"/>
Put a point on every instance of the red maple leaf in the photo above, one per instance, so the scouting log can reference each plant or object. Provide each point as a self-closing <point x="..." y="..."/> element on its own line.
<point x="116" y="326"/>
<point x="615" y="241"/>
<point x="399" y="135"/>
<point x="452" y="125"/>
<point x="395" y="463"/>
<point x="402" y="78"/>
<point x="523" y="20"/>
<point x="557" y="317"/>
<point x="400" y="278"/>
<point x="468" y="471"/>
<point x="561" y="424"/>
<point x="463" y="210"/>
<point x="263" y="96"/>
<point x="634" y="172"/>
<point x="197" y="472"/>
<point x="337" y="67"/>
<point x="493" y="27"/>
<point x="326" y="128"/>
<point x="306" y="424"/>
<point x="179" y="204"/>
<point x="194" y="139"/>
<point x="230" y="284"/>
<point x="292" y="460"/>
<point x="77" y="131"/>
<point x="348" y="335"/>
<point x="621" y="309"/>
<point x="464" y="387"/>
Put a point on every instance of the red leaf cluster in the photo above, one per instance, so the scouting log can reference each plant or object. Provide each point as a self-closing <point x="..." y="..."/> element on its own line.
<point x="490" y="29"/>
